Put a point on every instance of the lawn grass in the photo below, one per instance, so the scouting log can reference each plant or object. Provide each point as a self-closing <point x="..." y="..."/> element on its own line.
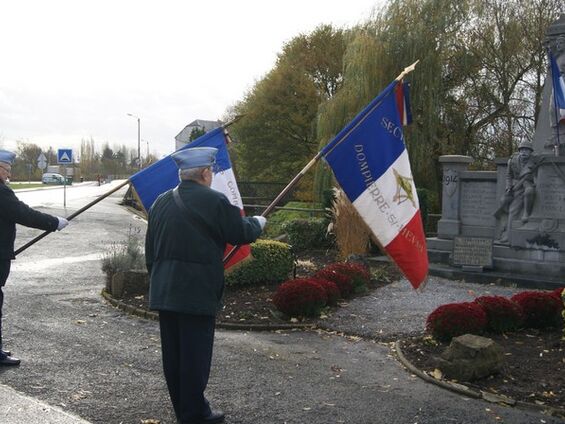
<point x="17" y="186"/>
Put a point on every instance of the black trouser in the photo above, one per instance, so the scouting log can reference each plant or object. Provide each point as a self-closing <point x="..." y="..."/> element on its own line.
<point x="187" y="342"/>
<point x="4" y="272"/>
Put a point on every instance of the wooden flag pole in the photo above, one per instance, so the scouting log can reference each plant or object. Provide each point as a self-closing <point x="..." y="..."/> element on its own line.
<point x="81" y="210"/>
<point x="73" y="215"/>
<point x="315" y="159"/>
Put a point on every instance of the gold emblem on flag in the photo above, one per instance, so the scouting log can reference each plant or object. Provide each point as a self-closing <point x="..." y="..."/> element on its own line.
<point x="404" y="190"/>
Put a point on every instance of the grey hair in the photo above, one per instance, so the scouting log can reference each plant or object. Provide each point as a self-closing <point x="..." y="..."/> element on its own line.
<point x="192" y="174"/>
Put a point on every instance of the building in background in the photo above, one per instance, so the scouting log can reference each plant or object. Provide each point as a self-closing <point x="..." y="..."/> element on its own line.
<point x="199" y="126"/>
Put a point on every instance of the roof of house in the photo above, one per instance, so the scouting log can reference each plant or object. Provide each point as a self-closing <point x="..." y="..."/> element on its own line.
<point x="184" y="135"/>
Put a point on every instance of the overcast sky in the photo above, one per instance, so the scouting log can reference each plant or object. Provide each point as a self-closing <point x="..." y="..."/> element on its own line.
<point x="73" y="69"/>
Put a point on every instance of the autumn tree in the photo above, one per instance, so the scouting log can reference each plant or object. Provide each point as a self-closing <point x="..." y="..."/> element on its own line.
<point x="277" y="137"/>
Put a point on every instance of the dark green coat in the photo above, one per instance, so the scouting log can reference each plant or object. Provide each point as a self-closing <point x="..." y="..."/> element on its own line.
<point x="185" y="262"/>
<point x="13" y="211"/>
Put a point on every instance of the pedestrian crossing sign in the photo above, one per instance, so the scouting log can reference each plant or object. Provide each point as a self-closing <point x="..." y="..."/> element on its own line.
<point x="64" y="156"/>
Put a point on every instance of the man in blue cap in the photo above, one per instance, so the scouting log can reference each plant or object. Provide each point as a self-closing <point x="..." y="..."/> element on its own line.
<point x="187" y="233"/>
<point x="12" y="212"/>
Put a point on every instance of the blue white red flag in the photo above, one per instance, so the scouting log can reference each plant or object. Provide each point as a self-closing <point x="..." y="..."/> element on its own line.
<point x="163" y="175"/>
<point x="558" y="89"/>
<point x="370" y="162"/>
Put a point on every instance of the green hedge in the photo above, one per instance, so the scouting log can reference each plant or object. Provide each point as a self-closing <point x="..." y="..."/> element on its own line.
<point x="277" y="219"/>
<point x="304" y="234"/>
<point x="272" y="261"/>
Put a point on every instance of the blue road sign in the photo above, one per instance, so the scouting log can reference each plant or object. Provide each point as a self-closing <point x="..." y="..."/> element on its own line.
<point x="64" y="156"/>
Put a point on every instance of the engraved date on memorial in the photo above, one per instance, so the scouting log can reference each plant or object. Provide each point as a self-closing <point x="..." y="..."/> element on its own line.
<point x="474" y="251"/>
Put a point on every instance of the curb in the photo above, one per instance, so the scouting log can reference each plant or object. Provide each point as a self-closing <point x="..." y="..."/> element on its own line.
<point x="142" y="313"/>
<point x="466" y="391"/>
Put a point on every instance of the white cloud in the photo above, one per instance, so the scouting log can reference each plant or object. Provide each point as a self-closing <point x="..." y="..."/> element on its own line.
<point x="75" y="68"/>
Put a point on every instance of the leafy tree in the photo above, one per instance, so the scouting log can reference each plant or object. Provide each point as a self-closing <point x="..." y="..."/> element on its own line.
<point x="476" y="89"/>
<point x="277" y="136"/>
<point x="196" y="132"/>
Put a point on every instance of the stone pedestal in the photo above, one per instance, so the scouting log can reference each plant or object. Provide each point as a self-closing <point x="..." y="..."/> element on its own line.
<point x="449" y="225"/>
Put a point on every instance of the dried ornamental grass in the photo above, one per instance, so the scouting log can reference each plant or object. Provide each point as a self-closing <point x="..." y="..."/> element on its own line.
<point x="351" y="232"/>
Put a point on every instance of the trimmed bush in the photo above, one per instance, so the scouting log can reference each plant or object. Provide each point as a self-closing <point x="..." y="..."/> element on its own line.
<point x="558" y="292"/>
<point x="304" y="234"/>
<point x="280" y="217"/>
<point x="456" y="319"/>
<point x="342" y="281"/>
<point x="358" y="274"/>
<point x="331" y="289"/>
<point x="300" y="297"/>
<point x="502" y="313"/>
<point x="541" y="309"/>
<point x="272" y="261"/>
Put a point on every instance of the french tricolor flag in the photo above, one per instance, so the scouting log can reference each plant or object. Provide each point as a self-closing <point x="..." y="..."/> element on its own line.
<point x="163" y="175"/>
<point x="370" y="162"/>
<point x="558" y="90"/>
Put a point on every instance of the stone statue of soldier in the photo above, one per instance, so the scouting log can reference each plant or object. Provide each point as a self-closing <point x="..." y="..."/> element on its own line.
<point x="518" y="199"/>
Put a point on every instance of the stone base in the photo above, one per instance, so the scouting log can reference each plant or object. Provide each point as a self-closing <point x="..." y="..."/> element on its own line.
<point x="544" y="263"/>
<point x="448" y="228"/>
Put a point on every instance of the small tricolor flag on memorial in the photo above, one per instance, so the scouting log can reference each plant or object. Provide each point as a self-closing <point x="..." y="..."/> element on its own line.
<point x="558" y="83"/>
<point x="370" y="162"/>
<point x="163" y="175"/>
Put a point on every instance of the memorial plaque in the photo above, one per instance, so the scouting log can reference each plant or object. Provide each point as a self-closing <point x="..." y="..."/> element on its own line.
<point x="472" y="251"/>
<point x="478" y="203"/>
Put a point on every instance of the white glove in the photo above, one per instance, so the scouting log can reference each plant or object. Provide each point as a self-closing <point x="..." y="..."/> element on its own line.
<point x="62" y="223"/>
<point x="262" y="220"/>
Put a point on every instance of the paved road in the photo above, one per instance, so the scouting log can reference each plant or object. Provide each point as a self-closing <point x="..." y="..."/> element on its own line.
<point x="83" y="356"/>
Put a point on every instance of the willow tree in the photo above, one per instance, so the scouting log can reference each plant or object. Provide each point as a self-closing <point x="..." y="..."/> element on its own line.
<point x="407" y="30"/>
<point x="476" y="89"/>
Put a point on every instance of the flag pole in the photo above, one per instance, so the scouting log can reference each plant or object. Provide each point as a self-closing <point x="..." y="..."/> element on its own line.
<point x="309" y="165"/>
<point x="99" y="199"/>
<point x="73" y="215"/>
<point x="557" y="145"/>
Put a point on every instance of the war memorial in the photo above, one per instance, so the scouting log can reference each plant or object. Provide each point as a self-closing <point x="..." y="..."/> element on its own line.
<point x="512" y="220"/>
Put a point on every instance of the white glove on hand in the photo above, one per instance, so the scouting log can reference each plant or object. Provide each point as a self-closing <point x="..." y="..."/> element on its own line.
<point x="62" y="223"/>
<point x="262" y="220"/>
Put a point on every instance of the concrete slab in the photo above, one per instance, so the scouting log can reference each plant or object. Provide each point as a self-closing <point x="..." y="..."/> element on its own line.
<point x="16" y="408"/>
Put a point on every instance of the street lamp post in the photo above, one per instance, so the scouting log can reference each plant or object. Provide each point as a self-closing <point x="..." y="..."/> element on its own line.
<point x="138" y="138"/>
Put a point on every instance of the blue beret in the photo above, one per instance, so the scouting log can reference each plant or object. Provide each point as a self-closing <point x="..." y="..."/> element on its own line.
<point x="195" y="157"/>
<point x="6" y="156"/>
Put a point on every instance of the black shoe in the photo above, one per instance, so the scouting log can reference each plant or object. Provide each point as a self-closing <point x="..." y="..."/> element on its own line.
<point x="8" y="360"/>
<point x="215" y="417"/>
<point x="5" y="352"/>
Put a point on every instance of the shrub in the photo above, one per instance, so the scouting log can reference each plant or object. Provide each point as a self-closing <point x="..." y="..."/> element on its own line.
<point x="541" y="309"/>
<point x="272" y="261"/>
<point x="124" y="256"/>
<point x="342" y="281"/>
<point x="358" y="274"/>
<point x="558" y="292"/>
<point x="300" y="297"/>
<point x="502" y="313"/>
<point x="279" y="218"/>
<point x="304" y="234"/>
<point x="456" y="319"/>
<point x="351" y="232"/>
<point x="331" y="289"/>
